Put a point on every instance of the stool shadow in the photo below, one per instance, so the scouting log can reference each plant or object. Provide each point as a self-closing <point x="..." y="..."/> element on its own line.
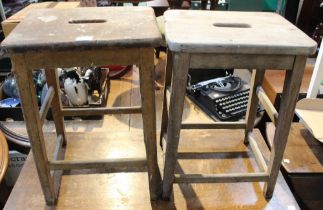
<point x="212" y="155"/>
<point x="310" y="141"/>
<point x="192" y="200"/>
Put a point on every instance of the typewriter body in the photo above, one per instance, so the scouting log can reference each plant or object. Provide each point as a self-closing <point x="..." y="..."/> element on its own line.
<point x="223" y="98"/>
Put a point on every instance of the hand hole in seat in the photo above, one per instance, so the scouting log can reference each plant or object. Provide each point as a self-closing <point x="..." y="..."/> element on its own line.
<point x="232" y="25"/>
<point x="85" y="21"/>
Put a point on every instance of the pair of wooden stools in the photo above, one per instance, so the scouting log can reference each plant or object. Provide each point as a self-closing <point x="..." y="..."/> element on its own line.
<point x="196" y="39"/>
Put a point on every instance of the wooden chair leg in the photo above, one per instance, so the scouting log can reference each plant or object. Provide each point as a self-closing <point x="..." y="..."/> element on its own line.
<point x="178" y="87"/>
<point x="291" y="88"/>
<point x="256" y="80"/>
<point x="29" y="104"/>
<point x="167" y="82"/>
<point x="149" y="120"/>
<point x="56" y="106"/>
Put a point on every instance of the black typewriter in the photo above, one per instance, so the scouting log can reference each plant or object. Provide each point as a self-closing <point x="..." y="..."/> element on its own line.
<point x="223" y="98"/>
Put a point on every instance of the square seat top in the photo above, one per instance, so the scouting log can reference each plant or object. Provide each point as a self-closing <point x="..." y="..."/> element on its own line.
<point x="85" y="28"/>
<point x="234" y="32"/>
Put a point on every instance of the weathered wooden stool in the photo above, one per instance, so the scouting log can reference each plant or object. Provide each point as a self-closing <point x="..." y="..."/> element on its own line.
<point x="203" y="39"/>
<point x="82" y="37"/>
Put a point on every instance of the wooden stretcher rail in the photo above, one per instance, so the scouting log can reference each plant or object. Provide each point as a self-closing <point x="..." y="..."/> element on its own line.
<point x="241" y="61"/>
<point x="47" y="103"/>
<point x="58" y="147"/>
<point x="268" y="106"/>
<point x="220" y="178"/>
<point x="101" y="111"/>
<point x="216" y="125"/>
<point x="256" y="151"/>
<point x="67" y="58"/>
<point x="93" y="164"/>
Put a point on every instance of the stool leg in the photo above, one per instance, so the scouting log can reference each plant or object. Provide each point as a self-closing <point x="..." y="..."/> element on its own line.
<point x="256" y="80"/>
<point x="56" y="108"/>
<point x="179" y="79"/>
<point x="291" y="88"/>
<point x="167" y="82"/>
<point x="149" y="120"/>
<point x="29" y="104"/>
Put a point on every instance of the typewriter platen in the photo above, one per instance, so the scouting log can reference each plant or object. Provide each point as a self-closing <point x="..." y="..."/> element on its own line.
<point x="224" y="98"/>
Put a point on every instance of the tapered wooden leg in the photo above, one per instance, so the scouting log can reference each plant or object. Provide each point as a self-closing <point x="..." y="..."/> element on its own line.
<point x="52" y="80"/>
<point x="178" y="87"/>
<point x="149" y="120"/>
<point x="256" y="80"/>
<point x="29" y="104"/>
<point x="167" y="82"/>
<point x="286" y="112"/>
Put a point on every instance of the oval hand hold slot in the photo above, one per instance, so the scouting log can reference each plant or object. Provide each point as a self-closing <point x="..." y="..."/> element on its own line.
<point x="232" y="25"/>
<point x="87" y="21"/>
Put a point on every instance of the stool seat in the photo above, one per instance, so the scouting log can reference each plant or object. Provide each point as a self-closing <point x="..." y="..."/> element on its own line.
<point x="85" y="28"/>
<point x="234" y="32"/>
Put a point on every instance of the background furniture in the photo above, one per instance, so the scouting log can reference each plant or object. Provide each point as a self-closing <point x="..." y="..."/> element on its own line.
<point x="243" y="40"/>
<point x="317" y="75"/>
<point x="84" y="42"/>
<point x="310" y="110"/>
<point x="302" y="165"/>
<point x="274" y="82"/>
<point x="310" y="15"/>
<point x="257" y="5"/>
<point x="11" y="22"/>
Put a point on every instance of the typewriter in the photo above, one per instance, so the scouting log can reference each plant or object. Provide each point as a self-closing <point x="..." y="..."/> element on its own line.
<point x="223" y="98"/>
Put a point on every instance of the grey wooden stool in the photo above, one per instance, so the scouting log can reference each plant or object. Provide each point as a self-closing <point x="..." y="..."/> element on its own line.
<point x="259" y="41"/>
<point x="53" y="38"/>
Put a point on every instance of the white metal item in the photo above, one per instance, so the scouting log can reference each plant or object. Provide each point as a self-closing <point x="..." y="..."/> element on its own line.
<point x="2" y="13"/>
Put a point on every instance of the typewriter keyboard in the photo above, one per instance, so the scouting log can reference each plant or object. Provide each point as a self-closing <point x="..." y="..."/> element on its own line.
<point x="231" y="106"/>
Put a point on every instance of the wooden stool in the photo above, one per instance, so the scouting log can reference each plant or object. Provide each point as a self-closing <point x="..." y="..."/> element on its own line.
<point x="53" y="38"/>
<point x="204" y="39"/>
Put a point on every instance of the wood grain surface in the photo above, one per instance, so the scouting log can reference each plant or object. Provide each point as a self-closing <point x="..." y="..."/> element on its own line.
<point x="234" y="32"/>
<point x="85" y="28"/>
<point x="17" y="17"/>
